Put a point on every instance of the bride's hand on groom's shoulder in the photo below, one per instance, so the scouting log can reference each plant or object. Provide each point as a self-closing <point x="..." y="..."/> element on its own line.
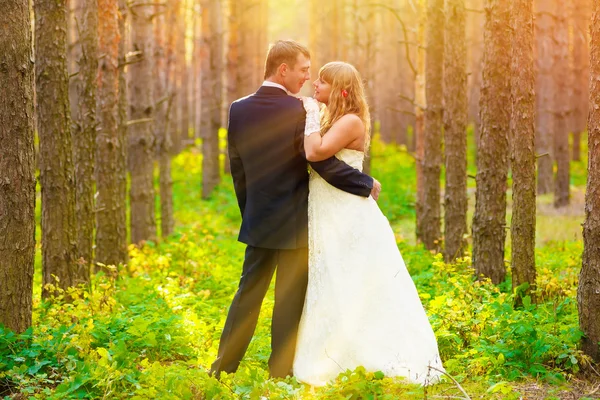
<point x="310" y="104"/>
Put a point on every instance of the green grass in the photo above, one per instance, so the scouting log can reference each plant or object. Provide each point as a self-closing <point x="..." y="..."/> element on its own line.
<point x="153" y="332"/>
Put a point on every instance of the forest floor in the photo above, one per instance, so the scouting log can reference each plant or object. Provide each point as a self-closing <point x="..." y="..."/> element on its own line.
<point x="150" y="329"/>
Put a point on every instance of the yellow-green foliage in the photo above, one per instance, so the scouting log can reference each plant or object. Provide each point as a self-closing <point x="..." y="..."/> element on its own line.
<point x="152" y="332"/>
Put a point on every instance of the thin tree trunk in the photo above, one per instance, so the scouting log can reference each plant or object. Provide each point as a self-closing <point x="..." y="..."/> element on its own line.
<point x="489" y="220"/>
<point x="561" y="107"/>
<point x="141" y="135"/>
<point x="163" y="139"/>
<point x="111" y="232"/>
<point x="544" y="48"/>
<point x="183" y="106"/>
<point x="233" y="75"/>
<point x="211" y="95"/>
<point x="59" y="252"/>
<point x="430" y="226"/>
<point x="123" y="128"/>
<point x="84" y="132"/>
<point x="455" y="133"/>
<point x="420" y="104"/>
<point x="74" y="23"/>
<point x="523" y="148"/>
<point x="581" y="72"/>
<point x="476" y="20"/>
<point x="589" y="279"/>
<point x="17" y="167"/>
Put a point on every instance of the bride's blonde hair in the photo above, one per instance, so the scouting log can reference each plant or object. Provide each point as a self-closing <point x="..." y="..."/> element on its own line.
<point x="344" y="77"/>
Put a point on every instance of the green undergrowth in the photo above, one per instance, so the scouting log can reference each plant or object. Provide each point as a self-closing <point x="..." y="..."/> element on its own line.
<point x="150" y="329"/>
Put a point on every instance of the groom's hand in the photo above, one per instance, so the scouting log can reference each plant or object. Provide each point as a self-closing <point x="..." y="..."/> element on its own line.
<point x="376" y="189"/>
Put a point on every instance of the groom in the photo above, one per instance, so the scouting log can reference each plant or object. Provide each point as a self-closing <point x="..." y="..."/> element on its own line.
<point x="270" y="176"/>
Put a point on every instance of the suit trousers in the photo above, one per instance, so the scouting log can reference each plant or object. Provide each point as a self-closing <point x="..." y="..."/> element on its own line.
<point x="290" y="290"/>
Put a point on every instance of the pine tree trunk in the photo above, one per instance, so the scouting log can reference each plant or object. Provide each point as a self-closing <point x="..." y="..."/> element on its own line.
<point x="163" y="139"/>
<point x="141" y="135"/>
<point x="561" y="107"/>
<point x="84" y="131"/>
<point x="111" y="231"/>
<point x="489" y="220"/>
<point x="74" y="51"/>
<point x="544" y="25"/>
<point x="589" y="279"/>
<point x="581" y="72"/>
<point x="523" y="147"/>
<point x="59" y="252"/>
<point x="123" y="135"/>
<point x="232" y="63"/>
<point x="17" y="167"/>
<point x="183" y="106"/>
<point x="420" y="103"/>
<point x="211" y="95"/>
<point x="430" y="232"/>
<point x="476" y="22"/>
<point x="455" y="132"/>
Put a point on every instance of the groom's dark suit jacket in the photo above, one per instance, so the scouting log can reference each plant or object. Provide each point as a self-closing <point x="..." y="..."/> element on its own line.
<point x="269" y="169"/>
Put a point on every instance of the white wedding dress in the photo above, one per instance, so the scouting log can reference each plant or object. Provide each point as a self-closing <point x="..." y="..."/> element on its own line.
<point x="361" y="307"/>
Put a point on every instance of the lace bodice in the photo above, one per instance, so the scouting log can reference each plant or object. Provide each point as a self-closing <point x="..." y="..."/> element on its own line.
<point x="353" y="158"/>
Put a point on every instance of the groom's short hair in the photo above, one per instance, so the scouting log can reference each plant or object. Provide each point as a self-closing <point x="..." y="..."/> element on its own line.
<point x="283" y="51"/>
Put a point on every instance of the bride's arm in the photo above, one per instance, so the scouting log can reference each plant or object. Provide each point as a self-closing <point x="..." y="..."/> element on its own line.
<point x="346" y="130"/>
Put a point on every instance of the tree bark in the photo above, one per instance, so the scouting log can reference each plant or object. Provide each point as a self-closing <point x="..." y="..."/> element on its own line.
<point x="123" y="128"/>
<point x="59" y="252"/>
<point x="455" y="133"/>
<point x="211" y="95"/>
<point x="581" y="72"/>
<point x="420" y="104"/>
<point x="141" y="135"/>
<point x="430" y="225"/>
<point x="163" y="117"/>
<point x="544" y="25"/>
<point x="183" y="117"/>
<point x="476" y="22"/>
<point x="111" y="232"/>
<point x="588" y="299"/>
<point x="523" y="148"/>
<point x="489" y="220"/>
<point x="84" y="131"/>
<point x="561" y="107"/>
<point x="17" y="167"/>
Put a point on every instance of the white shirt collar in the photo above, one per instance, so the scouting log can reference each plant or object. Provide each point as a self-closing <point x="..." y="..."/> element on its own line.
<point x="277" y="85"/>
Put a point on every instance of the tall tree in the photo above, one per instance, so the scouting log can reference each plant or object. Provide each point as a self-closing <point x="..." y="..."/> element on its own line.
<point x="544" y="26"/>
<point x="84" y="129"/>
<point x="455" y="132"/>
<point x="59" y="252"/>
<point x="581" y="72"/>
<point x="163" y="118"/>
<point x="141" y="135"/>
<point x="123" y="119"/>
<point x="211" y="95"/>
<point x="420" y="104"/>
<point x="489" y="220"/>
<point x="476" y="21"/>
<point x="429" y="215"/>
<point x="111" y="228"/>
<point x="523" y="146"/>
<point x="589" y="279"/>
<point x="182" y="121"/>
<point x="561" y="107"/>
<point x="17" y="167"/>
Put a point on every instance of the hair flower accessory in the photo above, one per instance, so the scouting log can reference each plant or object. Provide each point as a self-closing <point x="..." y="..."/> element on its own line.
<point x="344" y="93"/>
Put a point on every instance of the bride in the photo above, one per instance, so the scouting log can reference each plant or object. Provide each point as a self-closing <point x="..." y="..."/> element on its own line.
<point x="361" y="307"/>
